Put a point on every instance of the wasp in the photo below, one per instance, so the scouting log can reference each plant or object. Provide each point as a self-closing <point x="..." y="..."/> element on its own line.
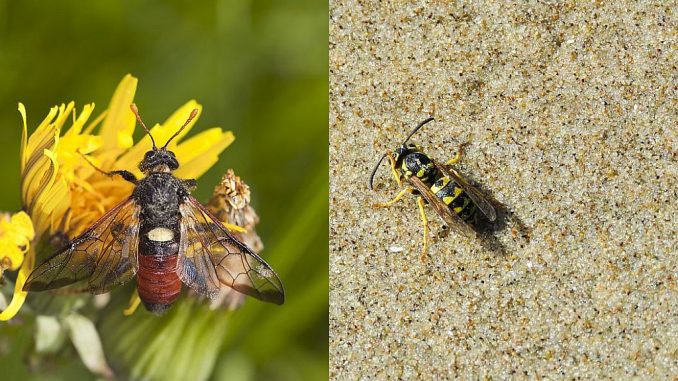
<point x="164" y="237"/>
<point x="461" y="206"/>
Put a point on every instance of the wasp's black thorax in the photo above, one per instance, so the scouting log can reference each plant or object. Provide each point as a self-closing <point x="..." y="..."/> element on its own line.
<point x="413" y="162"/>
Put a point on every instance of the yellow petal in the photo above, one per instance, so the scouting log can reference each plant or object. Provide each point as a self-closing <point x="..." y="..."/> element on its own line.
<point x="119" y="119"/>
<point x="233" y="228"/>
<point x="24" y="137"/>
<point x="78" y="123"/>
<point x="19" y="295"/>
<point x="23" y="225"/>
<point x="64" y="112"/>
<point x="71" y="149"/>
<point x="44" y="137"/>
<point x="125" y="140"/>
<point x="38" y="176"/>
<point x="12" y="256"/>
<point x="161" y="132"/>
<point x="200" y="143"/>
<point x="55" y="204"/>
<point x="202" y="153"/>
<point x="93" y="124"/>
<point x="134" y="302"/>
<point x="42" y="192"/>
<point x="175" y="121"/>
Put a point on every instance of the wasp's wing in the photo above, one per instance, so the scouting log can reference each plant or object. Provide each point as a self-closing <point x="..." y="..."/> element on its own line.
<point x="478" y="198"/>
<point x="451" y="219"/>
<point x="210" y="256"/>
<point x="101" y="258"/>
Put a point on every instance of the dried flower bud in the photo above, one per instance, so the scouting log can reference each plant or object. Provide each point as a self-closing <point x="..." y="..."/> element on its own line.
<point x="230" y="203"/>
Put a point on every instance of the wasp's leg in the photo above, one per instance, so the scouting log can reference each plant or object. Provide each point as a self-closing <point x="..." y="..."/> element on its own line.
<point x="127" y="175"/>
<point x="395" y="199"/>
<point x="424" y="221"/>
<point x="457" y="156"/>
<point x="396" y="175"/>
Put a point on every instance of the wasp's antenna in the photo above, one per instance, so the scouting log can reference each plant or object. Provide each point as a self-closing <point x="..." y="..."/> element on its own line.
<point x="135" y="110"/>
<point x="190" y="118"/>
<point x="417" y="129"/>
<point x="374" y="171"/>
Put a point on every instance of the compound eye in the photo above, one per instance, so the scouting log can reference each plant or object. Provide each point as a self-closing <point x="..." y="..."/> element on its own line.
<point x="175" y="164"/>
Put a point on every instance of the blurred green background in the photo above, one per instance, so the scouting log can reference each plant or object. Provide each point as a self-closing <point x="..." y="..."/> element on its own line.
<point x="259" y="68"/>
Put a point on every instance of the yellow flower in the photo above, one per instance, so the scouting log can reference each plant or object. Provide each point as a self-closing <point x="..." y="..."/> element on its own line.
<point x="16" y="233"/>
<point x="62" y="193"/>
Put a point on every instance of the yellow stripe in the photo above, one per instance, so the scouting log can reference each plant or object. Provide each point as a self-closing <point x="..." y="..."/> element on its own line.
<point x="435" y="188"/>
<point x="449" y="199"/>
<point x="460" y="208"/>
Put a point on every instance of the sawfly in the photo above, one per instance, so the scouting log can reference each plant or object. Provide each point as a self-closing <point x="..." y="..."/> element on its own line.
<point x="164" y="237"/>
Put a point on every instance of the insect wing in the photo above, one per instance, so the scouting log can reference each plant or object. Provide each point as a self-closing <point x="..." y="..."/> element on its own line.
<point x="451" y="219"/>
<point x="478" y="198"/>
<point x="209" y="256"/>
<point x="102" y="257"/>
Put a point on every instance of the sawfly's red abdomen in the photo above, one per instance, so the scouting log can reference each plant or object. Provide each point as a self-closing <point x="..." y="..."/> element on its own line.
<point x="157" y="280"/>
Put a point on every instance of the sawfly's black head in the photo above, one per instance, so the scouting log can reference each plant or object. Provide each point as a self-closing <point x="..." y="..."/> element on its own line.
<point x="160" y="159"/>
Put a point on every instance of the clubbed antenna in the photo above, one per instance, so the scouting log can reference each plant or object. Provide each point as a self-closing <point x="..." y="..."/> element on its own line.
<point x="376" y="167"/>
<point x="190" y="118"/>
<point x="135" y="110"/>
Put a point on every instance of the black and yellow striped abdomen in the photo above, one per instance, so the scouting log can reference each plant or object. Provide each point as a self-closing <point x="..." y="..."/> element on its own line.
<point x="413" y="162"/>
<point x="454" y="197"/>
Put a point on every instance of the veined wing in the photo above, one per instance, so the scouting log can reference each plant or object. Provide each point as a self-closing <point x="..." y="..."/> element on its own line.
<point x="478" y="198"/>
<point x="210" y="256"/>
<point x="451" y="219"/>
<point x="102" y="257"/>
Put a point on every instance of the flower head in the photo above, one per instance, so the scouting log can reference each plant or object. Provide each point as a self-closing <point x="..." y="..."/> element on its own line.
<point x="16" y="233"/>
<point x="62" y="193"/>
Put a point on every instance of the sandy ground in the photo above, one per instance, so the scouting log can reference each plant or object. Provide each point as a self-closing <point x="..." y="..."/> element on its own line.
<point x="570" y="112"/>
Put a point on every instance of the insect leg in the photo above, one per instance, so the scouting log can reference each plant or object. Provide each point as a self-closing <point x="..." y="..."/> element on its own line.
<point x="396" y="175"/>
<point x="424" y="221"/>
<point x="395" y="199"/>
<point x="456" y="157"/>
<point x="127" y="175"/>
<point x="189" y="184"/>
